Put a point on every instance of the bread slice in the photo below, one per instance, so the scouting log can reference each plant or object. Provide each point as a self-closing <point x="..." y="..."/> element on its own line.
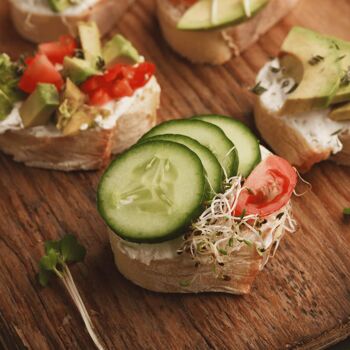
<point x="46" y="147"/>
<point x="218" y="46"/>
<point x="172" y="267"/>
<point x="171" y="273"/>
<point x="303" y="139"/>
<point x="43" y="26"/>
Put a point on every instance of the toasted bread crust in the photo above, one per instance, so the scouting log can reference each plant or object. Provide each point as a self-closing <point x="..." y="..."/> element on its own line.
<point x="40" y="28"/>
<point x="219" y="46"/>
<point x="45" y="147"/>
<point x="180" y="275"/>
<point x="287" y="141"/>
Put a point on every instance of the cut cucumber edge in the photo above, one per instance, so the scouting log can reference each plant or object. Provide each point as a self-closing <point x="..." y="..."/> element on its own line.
<point x="180" y="220"/>
<point x="207" y="134"/>
<point x="229" y="125"/>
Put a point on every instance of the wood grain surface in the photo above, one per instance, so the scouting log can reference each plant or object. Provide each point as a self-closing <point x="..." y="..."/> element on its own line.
<point x="300" y="301"/>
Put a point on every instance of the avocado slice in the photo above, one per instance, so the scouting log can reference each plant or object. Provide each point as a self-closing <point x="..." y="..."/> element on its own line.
<point x="77" y="69"/>
<point x="341" y="113"/>
<point x="119" y="50"/>
<point x="81" y="120"/>
<point x="343" y="57"/>
<point x="39" y="106"/>
<point x="229" y="12"/>
<point x="72" y="99"/>
<point x="311" y="60"/>
<point x="89" y="35"/>
<point x="59" y="5"/>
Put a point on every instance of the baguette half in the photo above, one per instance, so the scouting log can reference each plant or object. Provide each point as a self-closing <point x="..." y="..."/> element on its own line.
<point x="41" y="27"/>
<point x="46" y="147"/>
<point x="220" y="45"/>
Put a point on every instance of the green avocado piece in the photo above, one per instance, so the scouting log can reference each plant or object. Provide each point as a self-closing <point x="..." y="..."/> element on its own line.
<point x="9" y="93"/>
<point x="229" y="12"/>
<point x="72" y="99"/>
<point x="341" y="113"/>
<point x="59" y="5"/>
<point x="81" y="120"/>
<point x="89" y="35"/>
<point x="39" y="106"/>
<point x="118" y="49"/>
<point x="77" y="69"/>
<point x="311" y="60"/>
<point x="343" y="57"/>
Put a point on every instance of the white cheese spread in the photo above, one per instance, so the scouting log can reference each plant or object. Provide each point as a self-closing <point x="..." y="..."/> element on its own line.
<point x="42" y="7"/>
<point x="315" y="126"/>
<point x="13" y="121"/>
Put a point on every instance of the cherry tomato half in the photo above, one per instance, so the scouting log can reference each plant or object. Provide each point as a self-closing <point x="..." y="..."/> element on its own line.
<point x="268" y="188"/>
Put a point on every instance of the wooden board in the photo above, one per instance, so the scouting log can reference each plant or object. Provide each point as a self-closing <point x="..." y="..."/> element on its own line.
<point x="300" y="301"/>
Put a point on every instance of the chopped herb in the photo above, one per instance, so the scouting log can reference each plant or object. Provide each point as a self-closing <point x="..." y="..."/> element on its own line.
<point x="275" y="69"/>
<point x="340" y="58"/>
<point x="100" y="64"/>
<point x="345" y="80"/>
<point x="285" y="83"/>
<point x="243" y="214"/>
<point x="78" y="53"/>
<point x="250" y="191"/>
<point x="184" y="283"/>
<point x="55" y="262"/>
<point x="336" y="46"/>
<point x="315" y="60"/>
<point x="258" y="89"/>
<point x="279" y="216"/>
<point x="294" y="87"/>
<point x="230" y="242"/>
<point x="248" y="243"/>
<point x="336" y="132"/>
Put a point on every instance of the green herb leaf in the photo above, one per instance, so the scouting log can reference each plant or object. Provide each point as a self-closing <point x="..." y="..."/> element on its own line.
<point x="222" y="251"/>
<point x="258" y="89"/>
<point x="49" y="261"/>
<point x="44" y="277"/>
<point x="346" y="212"/>
<point x="184" y="283"/>
<point x="71" y="250"/>
<point x="52" y="245"/>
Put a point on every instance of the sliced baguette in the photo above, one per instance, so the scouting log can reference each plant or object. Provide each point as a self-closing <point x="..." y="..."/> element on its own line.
<point x="38" y="27"/>
<point x="291" y="144"/>
<point x="45" y="147"/>
<point x="218" y="46"/>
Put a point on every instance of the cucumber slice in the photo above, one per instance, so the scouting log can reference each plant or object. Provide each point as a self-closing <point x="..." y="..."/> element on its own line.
<point x="152" y="192"/>
<point x="211" y="165"/>
<point x="246" y="142"/>
<point x="205" y="133"/>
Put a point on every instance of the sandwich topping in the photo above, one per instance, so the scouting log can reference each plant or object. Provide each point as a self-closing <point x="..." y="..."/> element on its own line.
<point x="273" y="88"/>
<point x="73" y="85"/>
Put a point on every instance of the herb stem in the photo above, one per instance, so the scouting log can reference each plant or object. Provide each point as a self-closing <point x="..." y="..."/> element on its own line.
<point x="70" y="285"/>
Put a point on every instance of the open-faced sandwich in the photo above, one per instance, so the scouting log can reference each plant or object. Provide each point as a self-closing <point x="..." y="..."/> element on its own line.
<point x="73" y="103"/>
<point x="45" y="20"/>
<point x="303" y="111"/>
<point x="196" y="205"/>
<point x="213" y="31"/>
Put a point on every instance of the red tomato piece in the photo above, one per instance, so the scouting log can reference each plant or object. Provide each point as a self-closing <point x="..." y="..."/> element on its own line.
<point x="143" y="73"/>
<point x="56" y="51"/>
<point x="114" y="72"/>
<point x="91" y="84"/>
<point x="268" y="188"/>
<point x="121" y="88"/>
<point x="40" y="70"/>
<point x="99" y="97"/>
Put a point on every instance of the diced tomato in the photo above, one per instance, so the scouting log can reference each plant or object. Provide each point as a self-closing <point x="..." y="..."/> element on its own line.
<point x="40" y="70"/>
<point x="121" y="88"/>
<point x="99" y="97"/>
<point x="143" y="73"/>
<point x="56" y="51"/>
<point x="119" y="81"/>
<point x="268" y="188"/>
<point x="29" y="60"/>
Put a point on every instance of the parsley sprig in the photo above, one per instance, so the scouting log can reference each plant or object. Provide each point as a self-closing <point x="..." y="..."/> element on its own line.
<point x="58" y="254"/>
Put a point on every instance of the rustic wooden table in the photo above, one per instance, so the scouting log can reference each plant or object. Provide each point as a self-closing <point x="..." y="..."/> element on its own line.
<point x="300" y="301"/>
